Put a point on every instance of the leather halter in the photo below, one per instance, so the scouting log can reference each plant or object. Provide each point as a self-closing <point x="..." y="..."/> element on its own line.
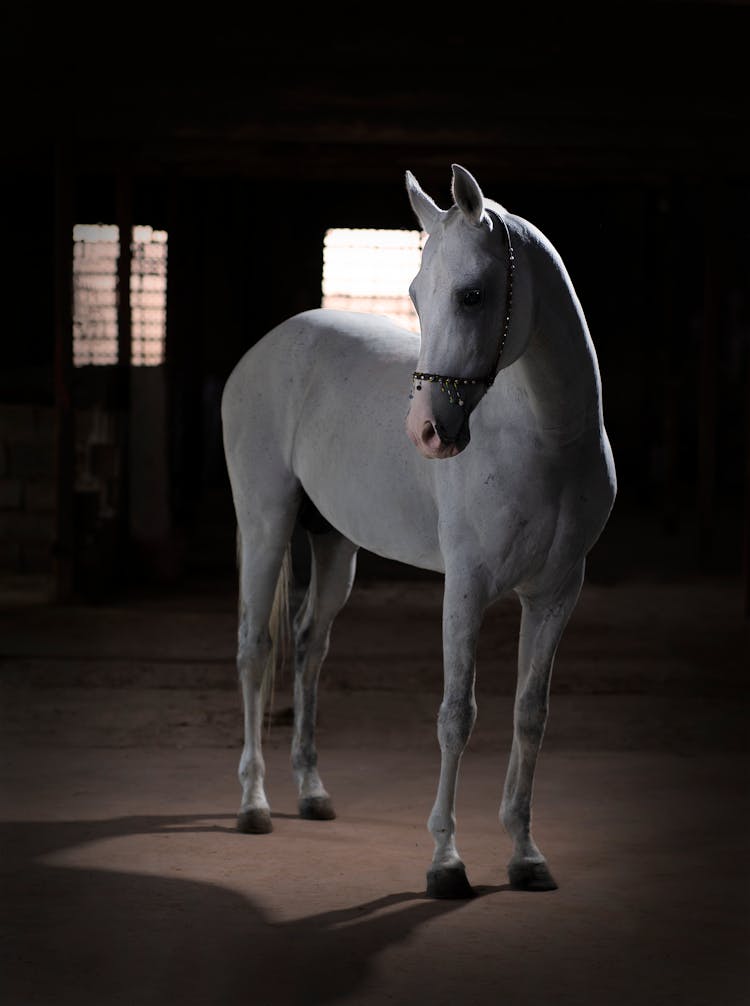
<point x="453" y="385"/>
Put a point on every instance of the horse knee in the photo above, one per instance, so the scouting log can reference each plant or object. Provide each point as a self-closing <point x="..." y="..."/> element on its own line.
<point x="530" y="718"/>
<point x="253" y="639"/>
<point x="455" y="722"/>
<point x="253" y="653"/>
<point x="530" y="713"/>
<point x="310" y="647"/>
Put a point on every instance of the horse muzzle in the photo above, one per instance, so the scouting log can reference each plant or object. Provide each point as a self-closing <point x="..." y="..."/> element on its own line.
<point x="438" y="429"/>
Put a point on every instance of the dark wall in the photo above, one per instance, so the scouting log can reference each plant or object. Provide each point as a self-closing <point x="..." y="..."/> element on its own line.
<point x="630" y="149"/>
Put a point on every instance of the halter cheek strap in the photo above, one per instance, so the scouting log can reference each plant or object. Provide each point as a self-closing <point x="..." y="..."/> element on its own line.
<point x="452" y="386"/>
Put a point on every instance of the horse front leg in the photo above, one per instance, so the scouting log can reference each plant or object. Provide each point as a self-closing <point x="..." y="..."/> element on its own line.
<point x="543" y="620"/>
<point x="462" y="616"/>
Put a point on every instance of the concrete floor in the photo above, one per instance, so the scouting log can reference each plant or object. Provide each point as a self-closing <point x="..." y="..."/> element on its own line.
<point x="124" y="881"/>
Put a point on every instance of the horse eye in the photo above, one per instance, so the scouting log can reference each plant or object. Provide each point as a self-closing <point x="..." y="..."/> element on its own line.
<point x="472" y="298"/>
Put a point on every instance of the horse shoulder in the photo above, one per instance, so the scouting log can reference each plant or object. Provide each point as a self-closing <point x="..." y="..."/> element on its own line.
<point x="587" y="489"/>
<point x="526" y="511"/>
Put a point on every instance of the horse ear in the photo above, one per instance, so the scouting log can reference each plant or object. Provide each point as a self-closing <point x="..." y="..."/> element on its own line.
<point x="467" y="195"/>
<point x="428" y="213"/>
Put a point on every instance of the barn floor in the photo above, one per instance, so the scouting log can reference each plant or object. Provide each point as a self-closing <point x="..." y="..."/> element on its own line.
<point x="124" y="881"/>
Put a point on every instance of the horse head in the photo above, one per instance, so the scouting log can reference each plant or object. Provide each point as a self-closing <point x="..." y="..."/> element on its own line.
<point x="462" y="294"/>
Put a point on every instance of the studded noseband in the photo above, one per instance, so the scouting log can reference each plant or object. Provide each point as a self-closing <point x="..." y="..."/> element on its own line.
<point x="453" y="386"/>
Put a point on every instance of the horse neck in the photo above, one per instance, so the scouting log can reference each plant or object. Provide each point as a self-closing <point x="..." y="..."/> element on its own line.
<point x="558" y="368"/>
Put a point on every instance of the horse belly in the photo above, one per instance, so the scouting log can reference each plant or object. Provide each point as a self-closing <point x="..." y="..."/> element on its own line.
<point x="322" y="399"/>
<point x="351" y="452"/>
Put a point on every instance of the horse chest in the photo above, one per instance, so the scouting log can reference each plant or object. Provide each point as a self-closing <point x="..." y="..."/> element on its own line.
<point x="509" y="513"/>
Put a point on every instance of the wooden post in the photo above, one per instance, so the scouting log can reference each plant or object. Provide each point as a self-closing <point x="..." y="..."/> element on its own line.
<point x="63" y="371"/>
<point x="746" y="522"/>
<point x="124" y="219"/>
<point x="669" y="361"/>
<point x="708" y="376"/>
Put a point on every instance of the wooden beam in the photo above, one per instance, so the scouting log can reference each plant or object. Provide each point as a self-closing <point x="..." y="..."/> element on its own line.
<point x="63" y="372"/>
<point x="666" y="250"/>
<point x="708" y="376"/>
<point x="124" y="220"/>
<point x="746" y="550"/>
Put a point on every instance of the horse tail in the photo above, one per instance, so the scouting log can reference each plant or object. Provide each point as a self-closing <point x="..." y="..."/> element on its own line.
<point x="280" y="631"/>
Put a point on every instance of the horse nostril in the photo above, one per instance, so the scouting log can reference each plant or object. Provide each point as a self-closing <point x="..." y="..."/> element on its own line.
<point x="444" y="438"/>
<point x="428" y="432"/>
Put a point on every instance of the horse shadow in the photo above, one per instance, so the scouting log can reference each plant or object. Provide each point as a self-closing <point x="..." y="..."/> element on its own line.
<point x="76" y="935"/>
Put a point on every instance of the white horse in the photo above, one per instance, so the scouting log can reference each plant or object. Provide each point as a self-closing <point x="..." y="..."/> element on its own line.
<point x="506" y="392"/>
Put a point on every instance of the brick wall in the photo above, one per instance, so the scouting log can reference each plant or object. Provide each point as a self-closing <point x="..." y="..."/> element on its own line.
<point x="27" y="488"/>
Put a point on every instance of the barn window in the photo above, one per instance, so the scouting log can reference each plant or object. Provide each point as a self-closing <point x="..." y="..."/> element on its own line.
<point x="370" y="271"/>
<point x="148" y="296"/>
<point x="96" y="249"/>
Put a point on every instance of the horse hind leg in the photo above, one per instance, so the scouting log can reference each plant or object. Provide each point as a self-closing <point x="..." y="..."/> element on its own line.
<point x="543" y="620"/>
<point x="331" y="579"/>
<point x="261" y="549"/>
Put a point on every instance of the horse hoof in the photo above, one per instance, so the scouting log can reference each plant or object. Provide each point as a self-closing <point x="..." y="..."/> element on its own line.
<point x="448" y="882"/>
<point x="531" y="877"/>
<point x="316" y="808"/>
<point x="256" y="821"/>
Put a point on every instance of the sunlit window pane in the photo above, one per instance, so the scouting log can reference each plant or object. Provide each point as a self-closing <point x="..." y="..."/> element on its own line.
<point x="96" y="249"/>
<point x="370" y="271"/>
<point x="148" y="296"/>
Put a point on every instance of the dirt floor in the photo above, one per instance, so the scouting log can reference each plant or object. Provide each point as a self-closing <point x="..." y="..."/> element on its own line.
<point x="125" y="882"/>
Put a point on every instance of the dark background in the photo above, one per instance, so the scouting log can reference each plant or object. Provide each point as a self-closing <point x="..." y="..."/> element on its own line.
<point x="622" y="134"/>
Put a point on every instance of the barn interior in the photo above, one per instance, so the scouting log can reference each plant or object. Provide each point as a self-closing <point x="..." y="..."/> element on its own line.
<point x="625" y="137"/>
